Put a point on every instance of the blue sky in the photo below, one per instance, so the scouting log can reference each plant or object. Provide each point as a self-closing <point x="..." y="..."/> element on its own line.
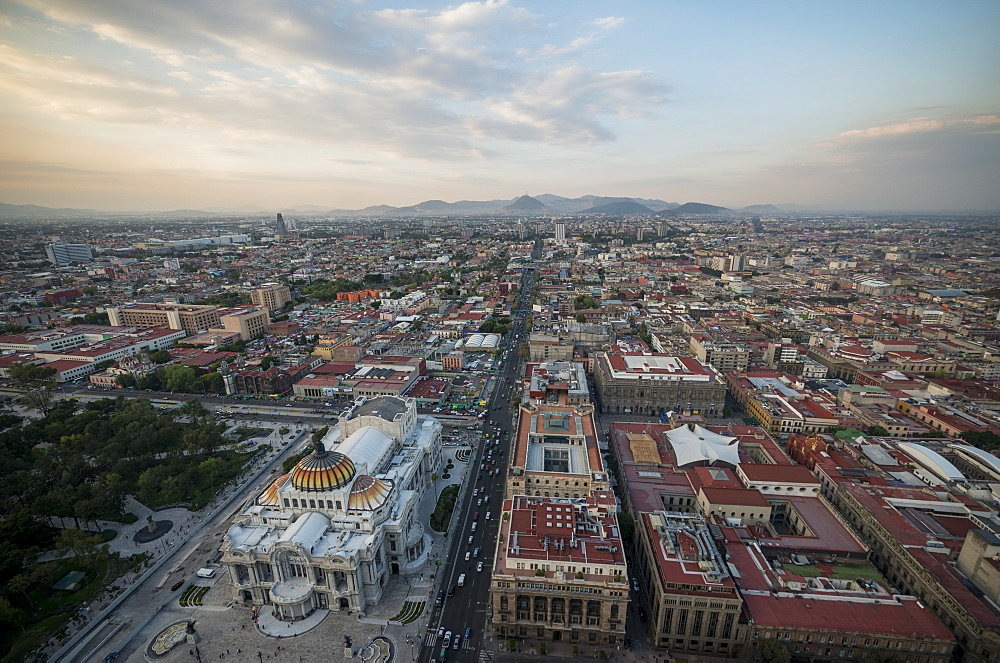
<point x="118" y="104"/>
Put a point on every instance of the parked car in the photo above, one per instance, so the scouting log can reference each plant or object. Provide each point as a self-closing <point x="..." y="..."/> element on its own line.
<point x="176" y="585"/>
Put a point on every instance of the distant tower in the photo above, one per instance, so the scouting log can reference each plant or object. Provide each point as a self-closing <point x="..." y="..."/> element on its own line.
<point x="560" y="232"/>
<point x="522" y="231"/>
<point x="661" y="228"/>
<point x="638" y="234"/>
<point x="279" y="226"/>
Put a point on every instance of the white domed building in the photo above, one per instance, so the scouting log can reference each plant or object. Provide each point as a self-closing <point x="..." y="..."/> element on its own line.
<point x="330" y="533"/>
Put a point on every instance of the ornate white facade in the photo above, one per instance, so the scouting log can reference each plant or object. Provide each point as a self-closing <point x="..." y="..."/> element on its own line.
<point x="330" y="533"/>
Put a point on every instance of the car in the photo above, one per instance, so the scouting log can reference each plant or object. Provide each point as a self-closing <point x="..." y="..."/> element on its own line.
<point x="447" y="638"/>
<point x="479" y="502"/>
<point x="468" y="633"/>
<point x="475" y="553"/>
<point x="474" y="526"/>
<point x="486" y="498"/>
<point x="440" y="600"/>
<point x="479" y="567"/>
<point x="451" y="591"/>
<point x="487" y="515"/>
<point x="475" y="492"/>
<point x="470" y="540"/>
<point x="635" y="584"/>
<point x="177" y="585"/>
<point x="475" y="516"/>
<point x="457" y="642"/>
<point x="467" y="555"/>
<point x="441" y="632"/>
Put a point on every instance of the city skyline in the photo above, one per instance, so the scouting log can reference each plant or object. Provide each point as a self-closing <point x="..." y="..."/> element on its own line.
<point x="117" y="106"/>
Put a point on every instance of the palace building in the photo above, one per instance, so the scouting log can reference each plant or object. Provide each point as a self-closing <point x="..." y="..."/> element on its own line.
<point x="330" y="533"/>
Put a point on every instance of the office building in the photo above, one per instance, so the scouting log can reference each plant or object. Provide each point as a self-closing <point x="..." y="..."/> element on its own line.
<point x="651" y="383"/>
<point x="560" y="232"/>
<point x="65" y="254"/>
<point x="272" y="296"/>
<point x="560" y="573"/>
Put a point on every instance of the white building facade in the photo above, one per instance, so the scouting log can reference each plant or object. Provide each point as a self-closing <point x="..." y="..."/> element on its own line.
<point x="331" y="533"/>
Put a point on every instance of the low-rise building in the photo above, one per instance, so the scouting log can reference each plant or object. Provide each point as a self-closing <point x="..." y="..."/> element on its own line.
<point x="650" y="383"/>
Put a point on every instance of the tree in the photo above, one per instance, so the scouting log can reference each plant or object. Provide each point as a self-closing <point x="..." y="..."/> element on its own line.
<point x="160" y="357"/>
<point x="773" y="651"/>
<point x="31" y="373"/>
<point x="179" y="378"/>
<point x="37" y="387"/>
<point x="125" y="380"/>
<point x="266" y="362"/>
<point x="877" y="431"/>
<point x="194" y="410"/>
<point x="987" y="440"/>
<point x="580" y="317"/>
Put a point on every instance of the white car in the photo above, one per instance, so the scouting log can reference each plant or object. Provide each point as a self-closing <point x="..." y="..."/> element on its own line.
<point x="447" y="638"/>
<point x="479" y="566"/>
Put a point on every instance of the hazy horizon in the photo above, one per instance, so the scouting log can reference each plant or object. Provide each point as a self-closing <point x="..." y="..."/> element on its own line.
<point x="117" y="106"/>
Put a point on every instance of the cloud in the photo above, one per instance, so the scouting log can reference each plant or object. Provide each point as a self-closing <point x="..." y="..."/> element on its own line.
<point x="608" y="23"/>
<point x="448" y="84"/>
<point x="927" y="162"/>
<point x="980" y="123"/>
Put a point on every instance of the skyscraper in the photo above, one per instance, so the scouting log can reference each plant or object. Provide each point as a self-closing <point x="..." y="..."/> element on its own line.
<point x="279" y="226"/>
<point x="560" y="232"/>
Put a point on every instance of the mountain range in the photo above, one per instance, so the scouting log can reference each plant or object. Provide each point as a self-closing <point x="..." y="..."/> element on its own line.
<point x="544" y="205"/>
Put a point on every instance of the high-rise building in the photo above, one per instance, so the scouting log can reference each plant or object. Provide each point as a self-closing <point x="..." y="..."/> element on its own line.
<point x="279" y="226"/>
<point x="639" y="234"/>
<point x="64" y="254"/>
<point x="560" y="232"/>
<point x="189" y="317"/>
<point x="271" y="296"/>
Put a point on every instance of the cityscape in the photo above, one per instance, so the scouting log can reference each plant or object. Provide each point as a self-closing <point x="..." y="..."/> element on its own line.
<point x="499" y="331"/>
<point x="706" y="435"/>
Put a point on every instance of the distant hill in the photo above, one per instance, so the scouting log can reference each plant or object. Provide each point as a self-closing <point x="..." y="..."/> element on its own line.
<point x="544" y="204"/>
<point x="696" y="208"/>
<point x="39" y="212"/>
<point x="524" y="204"/>
<point x="763" y="209"/>
<point x="619" y="207"/>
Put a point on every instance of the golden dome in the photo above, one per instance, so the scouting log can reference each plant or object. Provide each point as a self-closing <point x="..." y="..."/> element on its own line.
<point x="368" y="493"/>
<point x="323" y="470"/>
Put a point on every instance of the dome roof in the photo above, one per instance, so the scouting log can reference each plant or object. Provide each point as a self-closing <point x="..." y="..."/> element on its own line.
<point x="323" y="470"/>
<point x="368" y="493"/>
<point x="270" y="496"/>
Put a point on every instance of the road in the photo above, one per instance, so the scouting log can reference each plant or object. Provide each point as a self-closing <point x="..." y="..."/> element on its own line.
<point x="468" y="607"/>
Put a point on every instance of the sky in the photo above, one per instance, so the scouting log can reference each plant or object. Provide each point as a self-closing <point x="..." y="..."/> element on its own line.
<point x="181" y="104"/>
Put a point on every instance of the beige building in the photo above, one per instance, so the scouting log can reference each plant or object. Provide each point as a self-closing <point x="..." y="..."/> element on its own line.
<point x="189" y="317"/>
<point x="247" y="321"/>
<point x="556" y="453"/>
<point x="560" y="574"/>
<point x="272" y="296"/>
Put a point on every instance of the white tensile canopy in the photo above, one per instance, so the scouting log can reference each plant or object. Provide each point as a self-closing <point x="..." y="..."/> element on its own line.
<point x="700" y="445"/>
